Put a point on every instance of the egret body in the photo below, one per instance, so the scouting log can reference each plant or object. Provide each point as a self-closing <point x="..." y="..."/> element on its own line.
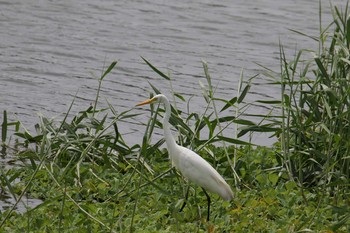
<point x="190" y="164"/>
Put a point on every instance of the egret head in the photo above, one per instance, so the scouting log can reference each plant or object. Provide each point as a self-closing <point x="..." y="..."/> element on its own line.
<point x="155" y="99"/>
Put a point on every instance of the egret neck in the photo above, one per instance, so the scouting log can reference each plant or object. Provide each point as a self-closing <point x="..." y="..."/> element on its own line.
<point x="169" y="139"/>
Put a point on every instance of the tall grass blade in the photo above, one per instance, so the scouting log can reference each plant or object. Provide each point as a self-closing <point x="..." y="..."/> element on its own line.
<point x="109" y="69"/>
<point x="229" y="103"/>
<point x="155" y="69"/>
<point x="4" y="128"/>
<point x="243" y="93"/>
<point x="234" y="141"/>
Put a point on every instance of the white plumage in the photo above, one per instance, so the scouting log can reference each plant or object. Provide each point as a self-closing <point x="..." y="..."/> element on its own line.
<point x="190" y="164"/>
<point x="199" y="171"/>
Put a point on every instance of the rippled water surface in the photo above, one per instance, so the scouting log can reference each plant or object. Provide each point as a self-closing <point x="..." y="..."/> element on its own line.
<point x="51" y="50"/>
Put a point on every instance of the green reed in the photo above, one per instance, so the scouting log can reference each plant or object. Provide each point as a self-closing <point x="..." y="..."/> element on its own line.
<point x="316" y="110"/>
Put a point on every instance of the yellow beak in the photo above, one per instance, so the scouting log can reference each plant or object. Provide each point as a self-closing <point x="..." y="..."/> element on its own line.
<point x="149" y="101"/>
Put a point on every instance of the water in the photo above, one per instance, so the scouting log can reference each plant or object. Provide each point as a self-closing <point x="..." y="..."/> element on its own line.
<point x="7" y="200"/>
<point x="51" y="50"/>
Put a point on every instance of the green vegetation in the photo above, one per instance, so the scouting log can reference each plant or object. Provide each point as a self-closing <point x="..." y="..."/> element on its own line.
<point x="90" y="180"/>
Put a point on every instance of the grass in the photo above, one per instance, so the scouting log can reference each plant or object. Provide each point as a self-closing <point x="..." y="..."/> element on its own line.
<point x="91" y="180"/>
<point x="315" y="95"/>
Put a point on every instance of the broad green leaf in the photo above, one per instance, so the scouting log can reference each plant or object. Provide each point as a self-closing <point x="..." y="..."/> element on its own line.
<point x="243" y="94"/>
<point x="154" y="88"/>
<point x="255" y="128"/>
<point x="110" y="68"/>
<point x="234" y="141"/>
<point x="229" y="103"/>
<point x="273" y="178"/>
<point x="155" y="69"/>
<point x="243" y="122"/>
<point x="290" y="185"/>
<point x="269" y="101"/>
<point x="4" y="127"/>
<point x="179" y="96"/>
<point x="225" y="119"/>
<point x="322" y="68"/>
<point x="348" y="30"/>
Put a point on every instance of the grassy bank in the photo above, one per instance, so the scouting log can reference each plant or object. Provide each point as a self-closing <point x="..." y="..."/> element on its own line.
<point x="90" y="180"/>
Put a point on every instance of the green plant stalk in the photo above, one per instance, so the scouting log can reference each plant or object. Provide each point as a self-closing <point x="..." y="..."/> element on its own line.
<point x="211" y="92"/>
<point x="109" y="69"/>
<point x="60" y="227"/>
<point x="4" y="128"/>
<point x="236" y="116"/>
<point x="285" y="117"/>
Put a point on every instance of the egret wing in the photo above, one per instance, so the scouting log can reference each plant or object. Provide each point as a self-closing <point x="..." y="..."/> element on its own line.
<point x="198" y="170"/>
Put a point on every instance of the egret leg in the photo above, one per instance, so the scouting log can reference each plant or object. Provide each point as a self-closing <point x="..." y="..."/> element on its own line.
<point x="186" y="197"/>
<point x="208" y="199"/>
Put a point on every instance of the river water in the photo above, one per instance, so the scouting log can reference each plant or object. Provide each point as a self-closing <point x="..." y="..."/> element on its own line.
<point x="51" y="50"/>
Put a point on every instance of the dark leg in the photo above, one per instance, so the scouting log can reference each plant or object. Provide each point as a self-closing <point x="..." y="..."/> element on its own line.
<point x="208" y="199"/>
<point x="186" y="196"/>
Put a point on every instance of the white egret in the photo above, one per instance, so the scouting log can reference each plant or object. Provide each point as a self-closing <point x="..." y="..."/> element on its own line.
<point x="190" y="164"/>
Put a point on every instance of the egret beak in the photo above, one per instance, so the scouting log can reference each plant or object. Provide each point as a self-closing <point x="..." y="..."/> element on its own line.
<point x="149" y="101"/>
